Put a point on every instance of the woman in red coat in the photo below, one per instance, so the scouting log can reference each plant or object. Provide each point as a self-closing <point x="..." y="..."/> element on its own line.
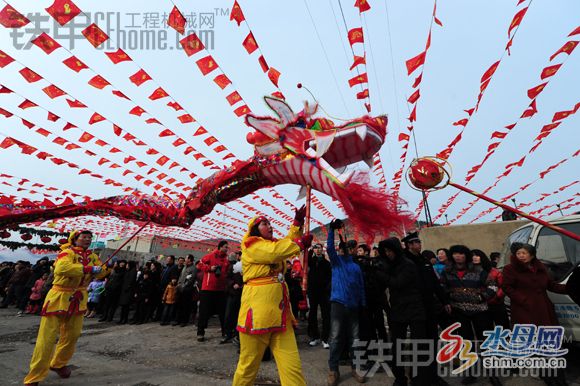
<point x="526" y="282"/>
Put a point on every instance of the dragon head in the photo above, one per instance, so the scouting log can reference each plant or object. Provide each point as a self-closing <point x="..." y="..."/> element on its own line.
<point x="314" y="151"/>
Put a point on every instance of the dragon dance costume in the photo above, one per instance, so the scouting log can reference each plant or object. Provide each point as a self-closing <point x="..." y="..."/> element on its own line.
<point x="265" y="318"/>
<point x="63" y="310"/>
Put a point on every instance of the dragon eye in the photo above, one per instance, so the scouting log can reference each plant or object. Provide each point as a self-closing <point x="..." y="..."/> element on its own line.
<point x="300" y="123"/>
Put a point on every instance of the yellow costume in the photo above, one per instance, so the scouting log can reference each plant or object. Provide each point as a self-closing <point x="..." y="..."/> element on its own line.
<point x="63" y="310"/>
<point x="265" y="317"/>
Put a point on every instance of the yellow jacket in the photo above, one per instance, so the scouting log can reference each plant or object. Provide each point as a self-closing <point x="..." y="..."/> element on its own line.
<point x="265" y="305"/>
<point x="68" y="295"/>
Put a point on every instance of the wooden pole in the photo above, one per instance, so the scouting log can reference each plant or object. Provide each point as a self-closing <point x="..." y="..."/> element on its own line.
<point x="306" y="230"/>
<point x="518" y="212"/>
<point x="125" y="243"/>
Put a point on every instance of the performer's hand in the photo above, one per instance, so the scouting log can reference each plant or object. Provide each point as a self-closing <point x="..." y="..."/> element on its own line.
<point x="300" y="216"/>
<point x="336" y="224"/>
<point x="305" y="241"/>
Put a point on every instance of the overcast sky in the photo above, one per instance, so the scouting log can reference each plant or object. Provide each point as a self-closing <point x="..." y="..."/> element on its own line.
<point x="473" y="36"/>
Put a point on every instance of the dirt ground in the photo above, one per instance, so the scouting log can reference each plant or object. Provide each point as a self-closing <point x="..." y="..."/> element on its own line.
<point x="151" y="355"/>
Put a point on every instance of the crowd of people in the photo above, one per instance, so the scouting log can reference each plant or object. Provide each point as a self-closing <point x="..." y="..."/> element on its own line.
<point x="355" y="292"/>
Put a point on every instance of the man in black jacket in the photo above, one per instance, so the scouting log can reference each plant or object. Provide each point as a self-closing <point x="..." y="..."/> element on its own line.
<point x="430" y="288"/>
<point x="319" y="280"/>
<point x="407" y="309"/>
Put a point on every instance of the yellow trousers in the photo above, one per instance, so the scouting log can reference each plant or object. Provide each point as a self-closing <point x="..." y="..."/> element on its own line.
<point x="45" y="356"/>
<point x="284" y="349"/>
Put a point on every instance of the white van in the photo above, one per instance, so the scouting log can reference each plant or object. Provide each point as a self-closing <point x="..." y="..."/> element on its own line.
<point x="560" y="254"/>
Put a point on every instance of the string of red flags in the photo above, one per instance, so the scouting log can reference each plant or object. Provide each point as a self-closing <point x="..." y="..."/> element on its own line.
<point x="414" y="64"/>
<point x="498" y="136"/>
<point x="251" y="46"/>
<point x="486" y="80"/>
<point x="542" y="174"/>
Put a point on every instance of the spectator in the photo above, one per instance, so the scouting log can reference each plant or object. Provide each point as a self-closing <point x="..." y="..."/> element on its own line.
<point x="128" y="291"/>
<point x="15" y="287"/>
<point x="526" y="282"/>
<point x="145" y="295"/>
<point x="407" y="309"/>
<point x="235" y="286"/>
<point x="40" y="268"/>
<point x="36" y="297"/>
<point x="185" y="289"/>
<point x="168" y="301"/>
<point x="95" y="290"/>
<point x="494" y="257"/>
<point x="434" y="299"/>
<point x="113" y="288"/>
<point x="442" y="261"/>
<point x="496" y="306"/>
<point x="293" y="278"/>
<point x="170" y="271"/>
<point x="346" y="299"/>
<point x="469" y="288"/>
<point x="213" y="289"/>
<point x="319" y="280"/>
<point x="6" y="271"/>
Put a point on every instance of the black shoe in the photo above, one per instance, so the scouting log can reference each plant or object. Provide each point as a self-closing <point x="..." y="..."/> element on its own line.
<point x="226" y="340"/>
<point x="183" y="325"/>
<point x="163" y="323"/>
<point x="201" y="338"/>
<point x="469" y="380"/>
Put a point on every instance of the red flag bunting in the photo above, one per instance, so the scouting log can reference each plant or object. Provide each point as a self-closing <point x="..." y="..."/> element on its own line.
<point x="550" y="71"/>
<point x="68" y="126"/>
<point x="186" y="118"/>
<point x="29" y="75"/>
<point x="575" y="32"/>
<point x="139" y="77"/>
<point x="414" y="97"/>
<point x="274" y="75"/>
<point x="558" y="116"/>
<point x="95" y="35"/>
<point x="237" y="13"/>
<point x="363" y="94"/>
<point x="27" y="104"/>
<point x="162" y="160"/>
<point x="531" y="111"/>
<point x="176" y="21"/>
<point x="118" y="56"/>
<point x="219" y="149"/>
<point x="137" y="110"/>
<point x="249" y="43"/>
<point x="99" y="82"/>
<point x="490" y="71"/>
<point x="86" y="137"/>
<point x="362" y="5"/>
<point x="535" y="91"/>
<point x="233" y="98"/>
<point x="355" y="35"/>
<point x="358" y="60"/>
<point x="414" y="63"/>
<point x="119" y="94"/>
<point x="178" y="142"/>
<point x="191" y="44"/>
<point x="498" y="134"/>
<point x="222" y="81"/>
<point x="278" y="95"/>
<point x="517" y="20"/>
<point x="63" y="11"/>
<point x="413" y="115"/>
<point x="46" y="43"/>
<point x="53" y="92"/>
<point x="417" y="80"/>
<point x="362" y="78"/>
<point x="175" y="106"/>
<point x="5" y="59"/>
<point x="566" y="48"/>
<point x="200" y="131"/>
<point x="74" y="64"/>
<point x="461" y="122"/>
<point x="11" y="18"/>
<point x="159" y="93"/>
<point x="206" y="64"/>
<point x="95" y="118"/>
<point x="263" y="63"/>
<point x="242" y="110"/>
<point x="52" y="117"/>
<point x="166" y="133"/>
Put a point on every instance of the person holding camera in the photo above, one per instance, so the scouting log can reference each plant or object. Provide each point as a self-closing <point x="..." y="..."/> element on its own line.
<point x="212" y="298"/>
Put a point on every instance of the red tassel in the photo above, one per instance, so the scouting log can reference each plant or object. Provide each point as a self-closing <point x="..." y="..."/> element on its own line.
<point x="371" y="210"/>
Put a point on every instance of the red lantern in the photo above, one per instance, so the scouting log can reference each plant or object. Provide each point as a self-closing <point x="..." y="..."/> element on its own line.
<point x="4" y="234"/>
<point x="45" y="239"/>
<point x="425" y="173"/>
<point x="26" y="236"/>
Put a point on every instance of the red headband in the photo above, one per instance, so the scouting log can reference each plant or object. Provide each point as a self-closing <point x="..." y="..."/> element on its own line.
<point x="260" y="219"/>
